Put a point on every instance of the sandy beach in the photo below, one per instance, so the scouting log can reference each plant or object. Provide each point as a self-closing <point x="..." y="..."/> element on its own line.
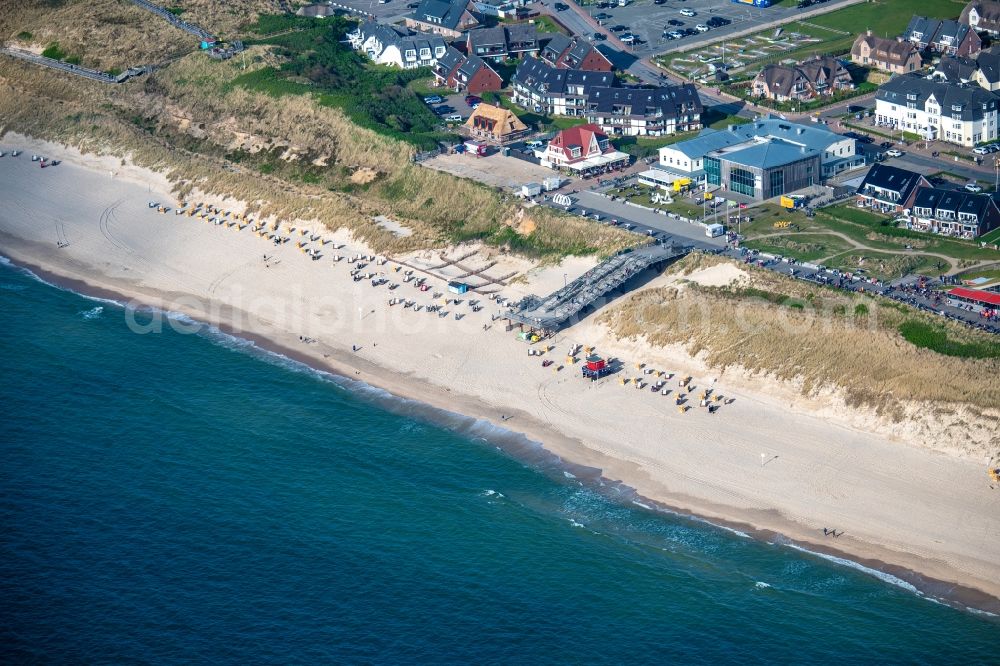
<point x="764" y="462"/>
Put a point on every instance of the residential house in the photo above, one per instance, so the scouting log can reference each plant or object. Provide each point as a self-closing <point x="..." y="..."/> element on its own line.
<point x="617" y="110"/>
<point x="955" y="69"/>
<point x="387" y="45"/>
<point x="959" y="113"/>
<point x="763" y="159"/>
<point x="947" y="37"/>
<point x="822" y="75"/>
<point x="889" y="189"/>
<point x="890" y="55"/>
<point x="982" y="16"/>
<point x="543" y="88"/>
<point x="954" y="212"/>
<point x="645" y="111"/>
<point x="503" y="42"/>
<point x="448" y="18"/>
<point x="583" y="149"/>
<point x="522" y="40"/>
<point x="464" y="73"/>
<point x="565" y="53"/>
<point x="494" y="125"/>
<point x="983" y="70"/>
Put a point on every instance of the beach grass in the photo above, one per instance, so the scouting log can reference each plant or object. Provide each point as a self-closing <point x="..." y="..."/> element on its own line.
<point x="289" y="156"/>
<point x="879" y="354"/>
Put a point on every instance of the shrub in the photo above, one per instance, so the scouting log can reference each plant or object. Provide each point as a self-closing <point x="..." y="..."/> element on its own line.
<point x="53" y="51"/>
<point x="935" y="338"/>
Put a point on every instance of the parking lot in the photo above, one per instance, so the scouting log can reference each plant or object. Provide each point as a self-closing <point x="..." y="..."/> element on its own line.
<point x="388" y="12"/>
<point x="494" y="169"/>
<point x="648" y="20"/>
<point x="453" y="104"/>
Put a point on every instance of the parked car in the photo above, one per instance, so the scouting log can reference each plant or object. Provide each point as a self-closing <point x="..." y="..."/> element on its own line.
<point x="618" y="28"/>
<point x="659" y="2"/>
<point x="627" y="38"/>
<point x="601" y="16"/>
<point x="472" y="99"/>
<point x="886" y="144"/>
<point x="674" y="34"/>
<point x="433" y="99"/>
<point x="413" y="5"/>
<point x="981" y="150"/>
<point x="973" y="187"/>
<point x="535" y="144"/>
<point x="561" y="6"/>
<point x="454" y="118"/>
<point x="701" y="27"/>
<point x="717" y="22"/>
<point x="600" y="36"/>
<point x="894" y="152"/>
<point x="675" y="22"/>
<point x="688" y="12"/>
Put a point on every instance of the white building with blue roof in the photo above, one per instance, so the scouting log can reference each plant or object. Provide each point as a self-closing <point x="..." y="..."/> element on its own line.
<point x="761" y="159"/>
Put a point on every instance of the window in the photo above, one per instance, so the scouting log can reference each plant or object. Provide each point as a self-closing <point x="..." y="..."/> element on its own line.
<point x="713" y="171"/>
<point x="742" y="181"/>
<point x="777" y="179"/>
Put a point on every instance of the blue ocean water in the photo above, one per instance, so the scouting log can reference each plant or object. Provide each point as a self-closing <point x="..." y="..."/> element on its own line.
<point x="179" y="498"/>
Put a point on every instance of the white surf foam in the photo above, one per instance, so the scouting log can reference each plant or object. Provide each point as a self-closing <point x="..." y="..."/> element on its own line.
<point x="92" y="313"/>
<point x="881" y="575"/>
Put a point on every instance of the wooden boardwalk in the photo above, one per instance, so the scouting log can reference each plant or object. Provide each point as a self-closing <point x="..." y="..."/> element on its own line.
<point x="554" y="311"/>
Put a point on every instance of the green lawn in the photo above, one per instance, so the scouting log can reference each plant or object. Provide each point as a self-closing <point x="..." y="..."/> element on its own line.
<point x="801" y="246"/>
<point x="991" y="237"/>
<point x="424" y="87"/>
<point x="716" y="120"/>
<point x="648" y="146"/>
<point x="989" y="274"/>
<point x="565" y="122"/>
<point x="863" y="227"/>
<point x="886" y="266"/>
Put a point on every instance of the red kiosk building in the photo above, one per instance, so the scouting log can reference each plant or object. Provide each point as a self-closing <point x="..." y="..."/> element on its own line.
<point x="595" y="367"/>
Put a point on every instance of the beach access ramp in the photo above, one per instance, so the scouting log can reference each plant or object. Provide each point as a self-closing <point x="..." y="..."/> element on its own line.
<point x="590" y="290"/>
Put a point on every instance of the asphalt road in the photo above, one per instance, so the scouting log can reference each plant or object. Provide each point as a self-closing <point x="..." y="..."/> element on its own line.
<point x="666" y="230"/>
<point x="904" y="290"/>
<point x="661" y="228"/>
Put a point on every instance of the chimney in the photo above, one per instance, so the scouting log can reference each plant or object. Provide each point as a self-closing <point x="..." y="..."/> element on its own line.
<point x="869" y="32"/>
